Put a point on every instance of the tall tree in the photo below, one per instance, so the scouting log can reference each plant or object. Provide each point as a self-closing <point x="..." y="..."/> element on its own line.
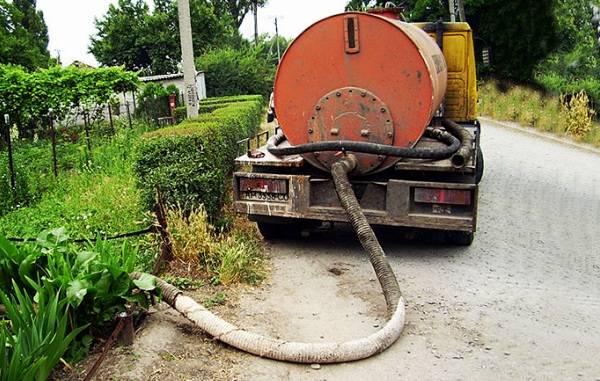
<point x="23" y="34"/>
<point x="132" y="35"/>
<point x="521" y="33"/>
<point x="575" y="65"/>
<point x="236" y="9"/>
<point x="33" y="21"/>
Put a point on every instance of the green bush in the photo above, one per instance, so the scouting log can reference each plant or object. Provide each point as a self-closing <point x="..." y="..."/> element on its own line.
<point x="236" y="72"/>
<point x="180" y="113"/>
<point x="92" y="280"/>
<point x="191" y="162"/>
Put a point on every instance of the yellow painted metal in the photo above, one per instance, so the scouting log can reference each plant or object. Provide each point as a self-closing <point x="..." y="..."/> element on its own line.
<point x="461" y="94"/>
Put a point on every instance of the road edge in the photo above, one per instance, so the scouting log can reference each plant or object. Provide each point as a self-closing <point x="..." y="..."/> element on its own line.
<point x="544" y="135"/>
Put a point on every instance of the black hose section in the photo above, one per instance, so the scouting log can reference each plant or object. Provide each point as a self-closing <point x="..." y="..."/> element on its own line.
<point x="465" y="151"/>
<point x="452" y="144"/>
<point x="368" y="240"/>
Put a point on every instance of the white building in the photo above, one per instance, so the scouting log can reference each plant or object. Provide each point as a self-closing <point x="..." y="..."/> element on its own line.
<point x="170" y="79"/>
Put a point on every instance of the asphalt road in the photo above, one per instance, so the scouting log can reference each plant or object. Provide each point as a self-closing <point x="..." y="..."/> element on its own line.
<point x="523" y="302"/>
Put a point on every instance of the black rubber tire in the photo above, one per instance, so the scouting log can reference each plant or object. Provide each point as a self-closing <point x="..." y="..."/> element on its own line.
<point x="460" y="238"/>
<point x="271" y="231"/>
<point x="479" y="165"/>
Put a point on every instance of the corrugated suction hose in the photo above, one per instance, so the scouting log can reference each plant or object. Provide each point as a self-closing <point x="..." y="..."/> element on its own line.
<point x="320" y="353"/>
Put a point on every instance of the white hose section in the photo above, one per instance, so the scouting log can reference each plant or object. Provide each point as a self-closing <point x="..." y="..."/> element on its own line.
<point x="308" y="353"/>
<point x="319" y="353"/>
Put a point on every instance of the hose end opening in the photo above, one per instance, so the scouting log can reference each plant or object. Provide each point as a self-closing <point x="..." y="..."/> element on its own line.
<point x="458" y="161"/>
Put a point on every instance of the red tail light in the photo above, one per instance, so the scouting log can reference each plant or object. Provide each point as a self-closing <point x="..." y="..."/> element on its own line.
<point x="443" y="196"/>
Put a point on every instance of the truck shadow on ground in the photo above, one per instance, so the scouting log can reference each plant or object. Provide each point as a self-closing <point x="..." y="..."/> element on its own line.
<point x="395" y="241"/>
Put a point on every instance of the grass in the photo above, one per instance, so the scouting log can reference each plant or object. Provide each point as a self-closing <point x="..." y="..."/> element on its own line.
<point x="86" y="205"/>
<point x="95" y="198"/>
<point x="98" y="198"/>
<point x="567" y="115"/>
<point x="223" y="257"/>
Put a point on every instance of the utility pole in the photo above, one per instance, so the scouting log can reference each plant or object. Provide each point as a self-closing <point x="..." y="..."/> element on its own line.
<point x="457" y="10"/>
<point x="187" y="56"/>
<point x="452" y="10"/>
<point x="255" y="5"/>
<point x="462" y="17"/>
<point x="277" y="41"/>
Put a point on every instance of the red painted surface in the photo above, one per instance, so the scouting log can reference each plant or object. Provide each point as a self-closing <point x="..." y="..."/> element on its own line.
<point x="395" y="63"/>
<point x="391" y="13"/>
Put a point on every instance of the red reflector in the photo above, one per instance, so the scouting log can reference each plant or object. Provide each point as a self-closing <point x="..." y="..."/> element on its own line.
<point x="263" y="185"/>
<point x="443" y="196"/>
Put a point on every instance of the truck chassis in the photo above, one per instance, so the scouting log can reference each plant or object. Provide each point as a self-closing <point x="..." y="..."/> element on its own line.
<point x="284" y="194"/>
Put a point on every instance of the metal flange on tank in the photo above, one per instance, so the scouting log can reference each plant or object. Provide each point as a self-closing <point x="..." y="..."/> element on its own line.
<point x="351" y="113"/>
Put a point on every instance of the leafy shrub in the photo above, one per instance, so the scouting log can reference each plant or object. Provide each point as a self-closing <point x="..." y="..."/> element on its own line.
<point x="507" y="101"/>
<point x="225" y="101"/>
<point x="36" y="334"/>
<point x="93" y="281"/>
<point x="191" y="162"/>
<point x="236" y="72"/>
<point x="576" y="116"/>
<point x="153" y="101"/>
<point x="180" y="113"/>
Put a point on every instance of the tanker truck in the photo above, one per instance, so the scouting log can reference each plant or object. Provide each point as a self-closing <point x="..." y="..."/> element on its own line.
<point x="400" y="99"/>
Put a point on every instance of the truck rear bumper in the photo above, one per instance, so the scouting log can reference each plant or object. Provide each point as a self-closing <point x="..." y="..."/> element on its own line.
<point x="392" y="202"/>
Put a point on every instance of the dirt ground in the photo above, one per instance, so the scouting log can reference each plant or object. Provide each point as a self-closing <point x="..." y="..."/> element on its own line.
<point x="523" y="302"/>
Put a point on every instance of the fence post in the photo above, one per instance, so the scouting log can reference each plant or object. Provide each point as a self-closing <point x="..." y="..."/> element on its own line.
<point x="53" y="140"/>
<point x="11" y="164"/>
<point x="110" y="119"/>
<point x="128" y="114"/>
<point x="87" y="133"/>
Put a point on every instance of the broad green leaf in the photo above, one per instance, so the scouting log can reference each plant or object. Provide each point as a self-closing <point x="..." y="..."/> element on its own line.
<point x="145" y="282"/>
<point x="7" y="249"/>
<point x="85" y="256"/>
<point x="76" y="292"/>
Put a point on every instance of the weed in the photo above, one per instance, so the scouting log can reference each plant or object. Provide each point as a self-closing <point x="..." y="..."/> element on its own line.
<point x="183" y="283"/>
<point x="217" y="299"/>
<point x="576" y="116"/>
<point x="224" y="257"/>
<point x="564" y="115"/>
<point x="167" y="356"/>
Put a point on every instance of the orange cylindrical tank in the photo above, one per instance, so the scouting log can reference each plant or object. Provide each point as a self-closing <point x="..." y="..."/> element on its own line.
<point x="362" y="77"/>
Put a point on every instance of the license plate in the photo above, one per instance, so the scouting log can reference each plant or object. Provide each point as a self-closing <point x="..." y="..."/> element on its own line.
<point x="262" y="196"/>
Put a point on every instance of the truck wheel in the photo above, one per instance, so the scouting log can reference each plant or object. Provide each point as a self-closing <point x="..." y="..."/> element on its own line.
<point x="479" y="164"/>
<point x="271" y="231"/>
<point x="460" y="238"/>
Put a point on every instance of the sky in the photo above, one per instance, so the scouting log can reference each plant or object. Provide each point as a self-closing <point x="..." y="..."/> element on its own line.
<point x="71" y="22"/>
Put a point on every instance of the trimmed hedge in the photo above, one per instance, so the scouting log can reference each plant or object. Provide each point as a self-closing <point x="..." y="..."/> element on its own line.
<point x="192" y="161"/>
